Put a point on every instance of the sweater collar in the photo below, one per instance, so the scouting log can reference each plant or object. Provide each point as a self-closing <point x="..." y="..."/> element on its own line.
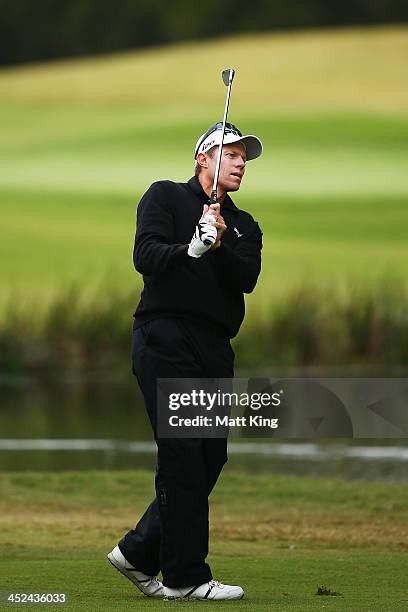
<point x="195" y="186"/>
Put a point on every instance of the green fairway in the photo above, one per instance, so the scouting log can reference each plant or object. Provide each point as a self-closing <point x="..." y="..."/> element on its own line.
<point x="65" y="238"/>
<point x="280" y="537"/>
<point x="81" y="140"/>
<point x="78" y="225"/>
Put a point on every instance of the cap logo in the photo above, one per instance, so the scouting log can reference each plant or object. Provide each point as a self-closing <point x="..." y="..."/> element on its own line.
<point x="207" y="145"/>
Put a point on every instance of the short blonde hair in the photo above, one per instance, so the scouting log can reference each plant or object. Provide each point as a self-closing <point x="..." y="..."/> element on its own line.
<point x="210" y="153"/>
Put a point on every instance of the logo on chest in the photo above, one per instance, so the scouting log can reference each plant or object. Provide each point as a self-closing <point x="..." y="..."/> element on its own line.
<point x="237" y="232"/>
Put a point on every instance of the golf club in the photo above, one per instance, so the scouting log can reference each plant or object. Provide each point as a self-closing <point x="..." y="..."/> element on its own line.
<point x="227" y="77"/>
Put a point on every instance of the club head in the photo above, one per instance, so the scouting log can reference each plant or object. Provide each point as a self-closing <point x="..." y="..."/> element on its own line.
<point x="228" y="75"/>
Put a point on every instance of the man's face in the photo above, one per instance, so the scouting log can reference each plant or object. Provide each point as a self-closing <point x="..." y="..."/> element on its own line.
<point x="232" y="167"/>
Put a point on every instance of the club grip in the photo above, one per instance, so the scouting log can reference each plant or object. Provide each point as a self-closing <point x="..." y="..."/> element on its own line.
<point x="213" y="197"/>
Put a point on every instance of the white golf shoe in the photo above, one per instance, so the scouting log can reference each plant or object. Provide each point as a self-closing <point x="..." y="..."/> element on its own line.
<point x="212" y="590"/>
<point x="149" y="585"/>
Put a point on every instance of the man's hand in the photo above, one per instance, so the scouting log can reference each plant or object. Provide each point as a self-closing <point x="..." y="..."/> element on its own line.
<point x="214" y="216"/>
<point x="205" y="234"/>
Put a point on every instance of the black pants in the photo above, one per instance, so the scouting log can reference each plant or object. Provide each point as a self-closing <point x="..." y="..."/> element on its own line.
<point x="172" y="535"/>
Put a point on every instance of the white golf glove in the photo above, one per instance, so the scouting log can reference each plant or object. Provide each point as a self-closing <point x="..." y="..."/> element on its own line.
<point x="204" y="236"/>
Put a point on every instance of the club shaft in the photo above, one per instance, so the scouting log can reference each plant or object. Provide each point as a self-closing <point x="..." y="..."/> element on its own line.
<point x="213" y="198"/>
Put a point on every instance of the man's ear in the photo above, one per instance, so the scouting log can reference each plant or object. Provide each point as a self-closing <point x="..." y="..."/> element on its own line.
<point x="202" y="160"/>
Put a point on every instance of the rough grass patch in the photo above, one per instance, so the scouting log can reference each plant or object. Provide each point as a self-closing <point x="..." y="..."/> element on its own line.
<point x="310" y="326"/>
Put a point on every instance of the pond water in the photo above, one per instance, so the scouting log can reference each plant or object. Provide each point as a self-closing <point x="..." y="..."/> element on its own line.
<point x="103" y="425"/>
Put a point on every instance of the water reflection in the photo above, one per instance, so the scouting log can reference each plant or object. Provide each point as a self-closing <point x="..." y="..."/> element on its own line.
<point x="95" y="409"/>
<point x="113" y="411"/>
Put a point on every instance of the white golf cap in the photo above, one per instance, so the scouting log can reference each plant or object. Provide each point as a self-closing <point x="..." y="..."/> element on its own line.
<point x="212" y="138"/>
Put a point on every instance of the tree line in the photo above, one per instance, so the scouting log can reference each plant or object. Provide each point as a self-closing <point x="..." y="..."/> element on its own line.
<point x="38" y="30"/>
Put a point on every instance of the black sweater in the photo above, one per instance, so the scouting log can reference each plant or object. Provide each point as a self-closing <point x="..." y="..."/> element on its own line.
<point x="209" y="289"/>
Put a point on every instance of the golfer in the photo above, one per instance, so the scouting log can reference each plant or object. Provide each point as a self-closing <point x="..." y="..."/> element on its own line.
<point x="197" y="262"/>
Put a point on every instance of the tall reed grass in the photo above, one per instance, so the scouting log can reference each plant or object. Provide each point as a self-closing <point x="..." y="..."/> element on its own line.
<point x="310" y="326"/>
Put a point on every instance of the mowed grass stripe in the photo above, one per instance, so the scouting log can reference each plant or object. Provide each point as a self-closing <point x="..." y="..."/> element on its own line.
<point x="321" y="155"/>
<point x="284" y="579"/>
<point x="73" y="129"/>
